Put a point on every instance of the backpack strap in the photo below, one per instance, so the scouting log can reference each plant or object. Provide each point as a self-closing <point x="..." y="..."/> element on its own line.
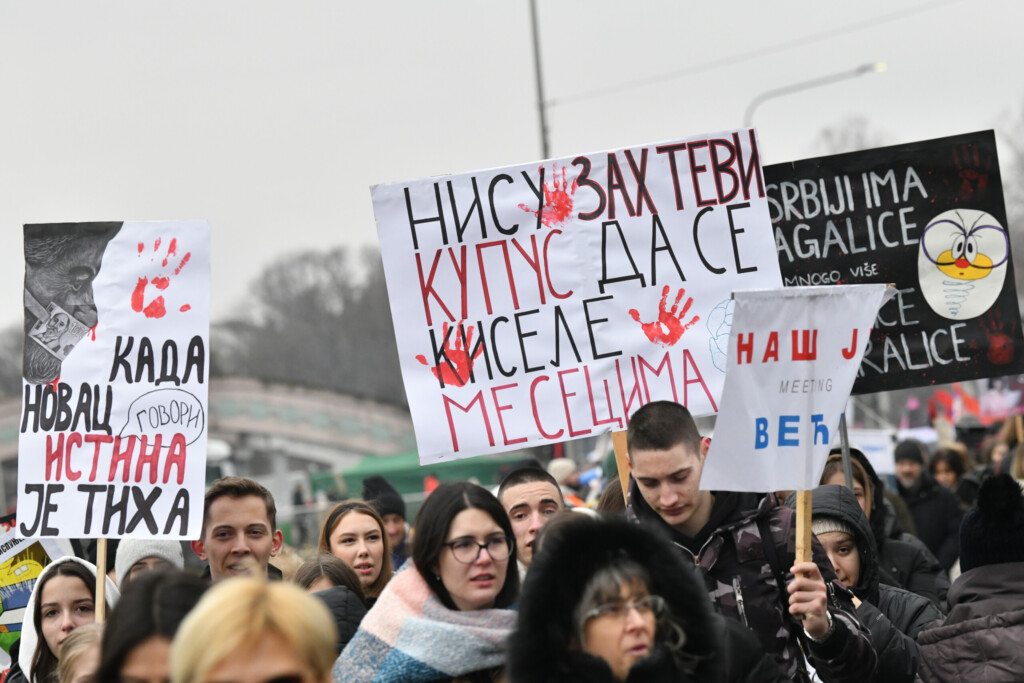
<point x="771" y="553"/>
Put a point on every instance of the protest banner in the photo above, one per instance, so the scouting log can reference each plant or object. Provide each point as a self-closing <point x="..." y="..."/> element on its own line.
<point x="793" y="356"/>
<point x="545" y="302"/>
<point x="928" y="217"/>
<point x="21" y="561"/>
<point x="113" y="428"/>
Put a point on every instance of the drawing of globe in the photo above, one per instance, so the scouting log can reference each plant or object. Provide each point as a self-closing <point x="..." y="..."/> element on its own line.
<point x="719" y="323"/>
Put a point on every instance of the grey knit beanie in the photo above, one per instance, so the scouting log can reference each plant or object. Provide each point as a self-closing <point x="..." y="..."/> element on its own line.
<point x="131" y="550"/>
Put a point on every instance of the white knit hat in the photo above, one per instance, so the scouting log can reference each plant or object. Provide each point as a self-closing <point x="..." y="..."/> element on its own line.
<point x="824" y="525"/>
<point x="131" y="550"/>
<point x="561" y="468"/>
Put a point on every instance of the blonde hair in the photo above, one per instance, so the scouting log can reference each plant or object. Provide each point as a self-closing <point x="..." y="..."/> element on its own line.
<point x="74" y="646"/>
<point x="1017" y="465"/>
<point x="237" y="613"/>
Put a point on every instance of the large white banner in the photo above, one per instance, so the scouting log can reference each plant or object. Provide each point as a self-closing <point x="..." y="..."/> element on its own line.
<point x="793" y="356"/>
<point x="544" y="302"/>
<point x="113" y="427"/>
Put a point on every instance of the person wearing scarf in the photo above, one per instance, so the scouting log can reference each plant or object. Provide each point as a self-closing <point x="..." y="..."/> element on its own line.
<point x="446" y="615"/>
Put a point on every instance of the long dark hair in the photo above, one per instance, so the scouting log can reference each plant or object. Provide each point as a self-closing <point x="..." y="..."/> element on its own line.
<point x="435" y="519"/>
<point x="44" y="662"/>
<point x="153" y="604"/>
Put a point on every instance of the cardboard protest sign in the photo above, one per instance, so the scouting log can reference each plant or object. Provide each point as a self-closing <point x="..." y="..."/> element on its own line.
<point x="113" y="426"/>
<point x="793" y="355"/>
<point x="545" y="302"/>
<point x="928" y="217"/>
<point x="21" y="561"/>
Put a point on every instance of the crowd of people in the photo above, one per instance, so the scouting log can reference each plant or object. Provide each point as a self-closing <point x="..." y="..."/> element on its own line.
<point x="668" y="582"/>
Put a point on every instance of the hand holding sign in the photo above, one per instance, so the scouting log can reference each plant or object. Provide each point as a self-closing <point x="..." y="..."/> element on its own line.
<point x="669" y="326"/>
<point x="808" y="598"/>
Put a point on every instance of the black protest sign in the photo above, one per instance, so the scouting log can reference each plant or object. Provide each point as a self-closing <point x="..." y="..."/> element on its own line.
<point x="927" y="217"/>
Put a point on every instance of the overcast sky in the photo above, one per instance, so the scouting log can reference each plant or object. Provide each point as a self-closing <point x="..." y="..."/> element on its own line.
<point x="271" y="120"/>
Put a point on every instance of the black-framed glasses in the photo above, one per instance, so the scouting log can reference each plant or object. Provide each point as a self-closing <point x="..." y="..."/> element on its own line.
<point x="467" y="550"/>
<point x="649" y="604"/>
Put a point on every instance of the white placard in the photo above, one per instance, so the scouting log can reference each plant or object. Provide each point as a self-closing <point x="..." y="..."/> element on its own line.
<point x="877" y="445"/>
<point x="544" y="302"/>
<point x="114" y="404"/>
<point x="793" y="356"/>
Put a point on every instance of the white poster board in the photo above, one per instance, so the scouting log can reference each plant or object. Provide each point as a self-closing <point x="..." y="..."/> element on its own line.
<point x="113" y="427"/>
<point x="878" y="445"/>
<point x="545" y="302"/>
<point x="793" y="356"/>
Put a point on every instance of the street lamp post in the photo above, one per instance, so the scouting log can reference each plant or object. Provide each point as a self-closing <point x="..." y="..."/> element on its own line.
<point x="748" y="116"/>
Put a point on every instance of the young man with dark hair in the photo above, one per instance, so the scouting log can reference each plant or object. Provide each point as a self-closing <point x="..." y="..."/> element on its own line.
<point x="531" y="497"/>
<point x="796" y="609"/>
<point x="933" y="507"/>
<point x="239" y="534"/>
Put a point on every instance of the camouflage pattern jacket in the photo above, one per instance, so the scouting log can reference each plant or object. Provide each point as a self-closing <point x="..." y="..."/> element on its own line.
<point x="742" y="586"/>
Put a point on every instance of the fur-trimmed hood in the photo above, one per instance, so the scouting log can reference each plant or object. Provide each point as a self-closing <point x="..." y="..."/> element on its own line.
<point x="541" y="647"/>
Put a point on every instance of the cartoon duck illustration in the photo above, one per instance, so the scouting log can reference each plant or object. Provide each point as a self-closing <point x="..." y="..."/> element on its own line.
<point x="962" y="263"/>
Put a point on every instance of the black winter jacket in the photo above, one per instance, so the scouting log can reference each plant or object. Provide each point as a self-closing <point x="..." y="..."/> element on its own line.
<point x="937" y="517"/>
<point x="903" y="560"/>
<point x="347" y="609"/>
<point x="894" y="616"/>
<point x="544" y="647"/>
<point x="982" y="639"/>
<point x="737" y="570"/>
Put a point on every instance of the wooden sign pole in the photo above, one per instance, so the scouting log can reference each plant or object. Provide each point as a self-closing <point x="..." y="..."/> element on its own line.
<point x="622" y="461"/>
<point x="101" y="580"/>
<point x="803" y="526"/>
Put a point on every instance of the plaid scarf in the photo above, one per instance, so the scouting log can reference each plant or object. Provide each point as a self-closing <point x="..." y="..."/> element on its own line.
<point x="410" y="636"/>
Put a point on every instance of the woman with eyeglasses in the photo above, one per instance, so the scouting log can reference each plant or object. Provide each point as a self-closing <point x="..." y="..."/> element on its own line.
<point x="607" y="600"/>
<point x="448" y="616"/>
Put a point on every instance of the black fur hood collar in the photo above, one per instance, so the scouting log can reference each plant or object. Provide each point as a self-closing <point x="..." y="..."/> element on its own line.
<point x="540" y="648"/>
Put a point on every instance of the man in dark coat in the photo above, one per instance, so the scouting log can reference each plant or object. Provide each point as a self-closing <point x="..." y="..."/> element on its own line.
<point x="933" y="506"/>
<point x="982" y="639"/>
<point x="748" y="580"/>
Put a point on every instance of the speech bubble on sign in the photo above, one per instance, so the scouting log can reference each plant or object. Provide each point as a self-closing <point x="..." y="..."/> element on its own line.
<point x="166" y="412"/>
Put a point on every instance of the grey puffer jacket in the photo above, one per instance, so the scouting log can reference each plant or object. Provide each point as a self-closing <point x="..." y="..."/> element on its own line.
<point x="982" y="639"/>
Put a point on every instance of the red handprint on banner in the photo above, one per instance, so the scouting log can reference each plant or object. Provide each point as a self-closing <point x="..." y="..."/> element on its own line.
<point x="156" y="308"/>
<point x="558" y="200"/>
<point x="669" y="326"/>
<point x="974" y="168"/>
<point x="456" y="363"/>
<point x="1000" y="342"/>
